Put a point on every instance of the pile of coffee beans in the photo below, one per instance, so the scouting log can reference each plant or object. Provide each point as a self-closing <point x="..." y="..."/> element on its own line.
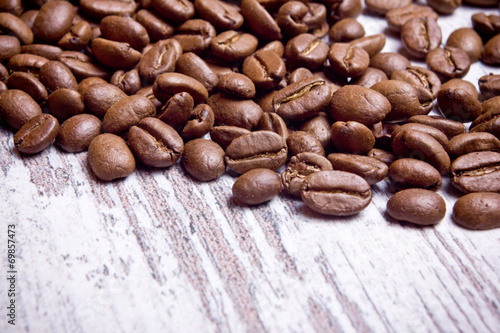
<point x="254" y="87"/>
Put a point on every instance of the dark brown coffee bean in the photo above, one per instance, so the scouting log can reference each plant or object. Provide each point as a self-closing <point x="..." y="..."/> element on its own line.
<point x="174" y="11"/>
<point x="478" y="211"/>
<point x="301" y="142"/>
<point x="489" y="85"/>
<point x="449" y="127"/>
<point x="36" y="134"/>
<point x="301" y="166"/>
<point x="444" y="6"/>
<point x="412" y="173"/>
<point x="169" y="84"/>
<point x="29" y="84"/>
<point x="156" y="27"/>
<point x="256" y="186"/>
<point x="99" y="9"/>
<point x="203" y="159"/>
<point x="259" y="20"/>
<point x="129" y="82"/>
<point x="98" y="98"/>
<point x="110" y="157"/>
<point x="53" y="21"/>
<point x="64" y="103"/>
<point x="265" y="68"/>
<point x="77" y="38"/>
<point x="11" y="24"/>
<point x="397" y="17"/>
<point x="224" y="135"/>
<point x="486" y="26"/>
<point x="488" y="122"/>
<point x="383" y="132"/>
<point x="477" y="172"/>
<point x="199" y="123"/>
<point x="4" y="73"/>
<point x="272" y="122"/>
<point x="346" y="30"/>
<point x="382" y="7"/>
<point x="306" y="50"/>
<point x="260" y="149"/>
<point x="418" y="206"/>
<point x="50" y="52"/>
<point x="76" y="133"/>
<point x="298" y="74"/>
<point x="290" y="18"/>
<point x="115" y="55"/>
<point x="370" y="169"/>
<point x="192" y="65"/>
<point x="125" y="30"/>
<point x="340" y="9"/>
<point x="347" y="60"/>
<point x="319" y="126"/>
<point x="160" y="59"/>
<point x="55" y="75"/>
<point x="370" y="77"/>
<point x="383" y="156"/>
<point x="81" y="66"/>
<point x="276" y="46"/>
<point x="10" y="47"/>
<point x="223" y="15"/>
<point x="232" y="46"/>
<point x="371" y="44"/>
<point x="236" y="84"/>
<point x="457" y="100"/>
<point x="491" y="51"/>
<point x="421" y="35"/>
<point x="17" y="107"/>
<point x="468" y="40"/>
<point x="432" y="131"/>
<point x="420" y="77"/>
<point x="470" y="142"/>
<point x="233" y="111"/>
<point x="356" y="103"/>
<point x="155" y="143"/>
<point x="336" y="193"/>
<point x="352" y="137"/>
<point x="177" y="110"/>
<point x="28" y="63"/>
<point x="448" y="62"/>
<point x="389" y="62"/>
<point x="126" y="113"/>
<point x="490" y="106"/>
<point x="14" y="7"/>
<point x="195" y="35"/>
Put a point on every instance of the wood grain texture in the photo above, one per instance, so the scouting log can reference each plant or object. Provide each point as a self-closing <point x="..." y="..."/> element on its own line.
<point x="160" y="252"/>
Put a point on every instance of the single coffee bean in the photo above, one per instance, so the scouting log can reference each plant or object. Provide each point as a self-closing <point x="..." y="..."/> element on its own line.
<point x="110" y="157"/>
<point x="81" y="66"/>
<point x="236" y="84"/>
<point x="232" y="46"/>
<point x="420" y="36"/>
<point x="340" y="9"/>
<point x="256" y="186"/>
<point x="370" y="169"/>
<point x="336" y="193"/>
<point x="200" y="122"/>
<point x="55" y="75"/>
<point x="397" y="17"/>
<point x="301" y="142"/>
<point x="347" y="60"/>
<point x="301" y="166"/>
<point x="265" y="68"/>
<point x="477" y="172"/>
<point x="491" y="51"/>
<point x="418" y="206"/>
<point x="371" y="44"/>
<point x="320" y="127"/>
<point x="36" y="134"/>
<point x="77" y="38"/>
<point x="389" y="62"/>
<point x="12" y="6"/>
<point x="356" y="103"/>
<point x="10" y="47"/>
<point x="478" y="211"/>
<point x="473" y="141"/>
<point x="488" y="122"/>
<point x="291" y="18"/>
<point x="98" y="98"/>
<point x="192" y="65"/>
<point x="383" y="156"/>
<point x="432" y="131"/>
<point x="98" y="9"/>
<point x="127" y="112"/>
<point x="125" y="30"/>
<point x="382" y="7"/>
<point x="486" y="26"/>
<point x="449" y="127"/>
<point x="154" y="24"/>
<point x="50" y="52"/>
<point x="174" y="11"/>
<point x="276" y="46"/>
<point x="370" y="77"/>
<point x="4" y="73"/>
<point x="346" y="30"/>
<point x="489" y="85"/>
<point x="490" y="105"/>
<point x="28" y="63"/>
<point x="272" y="122"/>
<point x="29" y="84"/>
<point x="115" y="55"/>
<point x="233" y="111"/>
<point x="65" y="103"/>
<point x="298" y="74"/>
<point x="468" y="40"/>
<point x="11" y="24"/>
<point x="306" y="50"/>
<point x="448" y="62"/>
<point x="195" y="35"/>
<point x="259" y="20"/>
<point x="203" y="159"/>
<point x="169" y="84"/>
<point x="457" y="99"/>
<point x="259" y="149"/>
<point x="129" y="82"/>
<point x="160" y="59"/>
<point x="76" y="133"/>
<point x="177" y="110"/>
<point x="53" y="21"/>
<point x="420" y="77"/>
<point x="444" y="6"/>
<point x="352" y="137"/>
<point x="412" y="173"/>
<point x="224" y="135"/>
<point x="17" y="107"/>
<point x="222" y="15"/>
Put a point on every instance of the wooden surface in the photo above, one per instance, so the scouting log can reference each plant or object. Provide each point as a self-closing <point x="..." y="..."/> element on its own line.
<point x="159" y="252"/>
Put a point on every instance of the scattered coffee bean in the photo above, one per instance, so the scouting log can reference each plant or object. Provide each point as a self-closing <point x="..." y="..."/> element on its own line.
<point x="36" y="134"/>
<point x="256" y="186"/>
<point x="479" y="211"/>
<point x="418" y="206"/>
<point x="301" y="166"/>
<point x="410" y="173"/>
<point x="203" y="159"/>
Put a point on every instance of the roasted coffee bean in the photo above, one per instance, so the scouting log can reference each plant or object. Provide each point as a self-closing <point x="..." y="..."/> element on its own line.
<point x="99" y="9"/>
<point x="382" y="7"/>
<point x="420" y="36"/>
<point x="486" y="26"/>
<point x="77" y="38"/>
<point x="489" y="85"/>
<point x="320" y="127"/>
<point x="276" y="46"/>
<point x="383" y="132"/>
<point x="405" y="99"/>
<point x="177" y="110"/>
<point x="55" y="75"/>
<point x="64" y="103"/>
<point x="192" y="65"/>
<point x="477" y="172"/>
<point x="12" y="6"/>
<point x="81" y="66"/>
<point x="432" y="131"/>
<point x="346" y="30"/>
<point x="195" y="35"/>
<point x="420" y="77"/>
<point x="28" y="63"/>
<point x="4" y="73"/>
<point x="389" y="62"/>
<point x="370" y="77"/>
<point x="176" y="11"/>
<point x="233" y="111"/>
<point x="222" y="15"/>
<point x="470" y="142"/>
<point x="232" y="46"/>
<point x="306" y="50"/>
<point x="98" y="98"/>
<point x="259" y="20"/>
<point x="265" y="68"/>
<point x="76" y="133"/>
<point x="336" y="193"/>
<point x="155" y="143"/>
<point x="371" y="44"/>
<point x="203" y="159"/>
<point x="224" y="135"/>
<point x="370" y="169"/>
<point x="449" y="127"/>
<point x="29" y="84"/>
<point x="29" y="16"/>
<point x="291" y="18"/>
<point x="169" y="84"/>
<point x="491" y="51"/>
<point x="468" y="40"/>
<point x="126" y="113"/>
<point x="53" y="21"/>
<point x="418" y="206"/>
<point x="10" y="47"/>
<point x="298" y="74"/>
<point x="199" y="123"/>
<point x="352" y="137"/>
<point x="125" y="30"/>
<point x="272" y="122"/>
<point x="491" y="105"/>
<point x="444" y="6"/>
<point x="479" y="211"/>
<point x="160" y="59"/>
<point x="301" y="166"/>
<point x="340" y="9"/>
<point x="260" y="149"/>
<point x="36" y="134"/>
<point x="256" y="186"/>
<point x="110" y="157"/>
<point x="301" y="142"/>
<point x="156" y="27"/>
<point x="236" y="84"/>
<point x="384" y="156"/>
<point x="491" y="123"/>
<point x="17" y="107"/>
<point x="347" y="60"/>
<point x="457" y="100"/>
<point x="422" y="146"/>
<point x="356" y="103"/>
<point x="412" y="173"/>
<point x="50" y="52"/>
<point x="397" y="17"/>
<point x="448" y="62"/>
<point x="115" y="55"/>
<point x="11" y="24"/>
<point x="129" y="82"/>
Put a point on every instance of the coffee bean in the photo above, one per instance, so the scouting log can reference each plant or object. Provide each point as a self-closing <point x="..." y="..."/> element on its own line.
<point x="486" y="26"/>
<point x="420" y="36"/>
<point x="420" y="77"/>
<point x="224" y="135"/>
<point x="448" y="62"/>
<point x="397" y="17"/>
<point x="53" y="21"/>
<point x="154" y="24"/>
<point x="382" y="7"/>
<point x="233" y="111"/>
<point x="370" y="169"/>
<point x="12" y="6"/>
<point x="347" y="60"/>
<point x="418" y="206"/>
<point x="29" y="84"/>
<point x="98" y="98"/>
<point x="10" y="47"/>
<point x="259" y="20"/>
<point x="412" y="173"/>
<point x="236" y="84"/>
<point x="232" y="46"/>
<point x="301" y="142"/>
<point x="336" y="193"/>
<point x="477" y="172"/>
<point x="81" y="66"/>
<point x="383" y="156"/>
<point x="223" y="15"/>
<point x="195" y="35"/>
<point x="487" y="122"/>
<point x="468" y="40"/>
<point x="176" y="11"/>
<point x="345" y="8"/>
<point x="320" y="127"/>
<point x="10" y="23"/>
<point x="489" y="85"/>
<point x="306" y="50"/>
<point x="346" y="30"/>
<point x="126" y="113"/>
<point x="203" y="159"/>
<point x="457" y="100"/>
<point x="17" y="107"/>
<point x="99" y="9"/>
<point x="36" y="134"/>
<point x="352" y="137"/>
<point x="371" y="44"/>
<point x="192" y="65"/>
<point x="272" y="122"/>
<point x="50" y="52"/>
<point x="432" y="131"/>
<point x="199" y="123"/>
<point x="160" y="59"/>
<point x="449" y="127"/>
<point x="115" y="55"/>
<point x="28" y="63"/>
<point x="169" y="84"/>
<point x="125" y="30"/>
<point x="479" y="211"/>
<point x="290" y="18"/>
<point x="265" y="68"/>
<point x="301" y="166"/>
<point x="491" y="51"/>
<point x="55" y="75"/>
<point x="76" y="133"/>
<point x="65" y="103"/>
<point x="474" y="141"/>
<point x="370" y="77"/>
<point x="389" y="62"/>
<point x="444" y="6"/>
<point x="177" y="110"/>
<point x="129" y="82"/>
<point x="77" y="38"/>
<point x="256" y="186"/>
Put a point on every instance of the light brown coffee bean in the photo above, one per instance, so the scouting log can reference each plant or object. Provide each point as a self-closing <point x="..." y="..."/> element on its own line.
<point x="233" y="111"/>
<point x="449" y="127"/>
<point x="347" y="60"/>
<point x="301" y="142"/>
<point x="81" y="66"/>
<point x="370" y="77"/>
<point x="384" y="156"/>
<point x="491" y="51"/>
<point x="65" y="103"/>
<point x="468" y="40"/>
<point x="301" y="166"/>
<point x="76" y="133"/>
<point x="320" y="127"/>
<point x="223" y="15"/>
<point x="192" y="65"/>
<point x="418" y="206"/>
<point x="10" y="47"/>
<point x="232" y="46"/>
<point x="420" y="36"/>
<point x="306" y="50"/>
<point x="115" y="55"/>
<point x="412" y="173"/>
<point x="99" y="9"/>
<point x="259" y="20"/>
<point x="29" y="84"/>
<point x="176" y="11"/>
<point x="420" y="77"/>
<point x="448" y="62"/>
<point x="265" y="68"/>
<point x="371" y="44"/>
<point x="10" y="23"/>
<point x="55" y="75"/>
<point x="50" y="52"/>
<point x="389" y="62"/>
<point x="203" y="159"/>
<point x="432" y="131"/>
<point x="99" y="97"/>
<point x="256" y="186"/>
<point x="195" y="35"/>
<point x="28" y="63"/>
<point x="154" y="24"/>
<point x="352" y="137"/>
<point x="478" y="211"/>
<point x="236" y="84"/>
<point x="397" y="17"/>
<point x="469" y="142"/>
